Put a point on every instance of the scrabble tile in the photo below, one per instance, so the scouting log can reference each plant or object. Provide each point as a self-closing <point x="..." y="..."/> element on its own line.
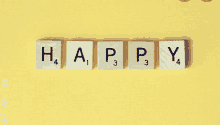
<point x="110" y="55"/>
<point x="172" y="54"/>
<point x="79" y="55"/>
<point x="140" y="55"/>
<point x="48" y="54"/>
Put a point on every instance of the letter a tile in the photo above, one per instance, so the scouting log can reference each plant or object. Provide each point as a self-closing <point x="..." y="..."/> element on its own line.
<point x="79" y="55"/>
<point x="172" y="54"/>
<point x="110" y="55"/>
<point x="140" y="55"/>
<point x="48" y="54"/>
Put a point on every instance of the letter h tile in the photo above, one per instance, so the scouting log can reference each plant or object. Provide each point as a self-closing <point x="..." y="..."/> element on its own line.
<point x="48" y="54"/>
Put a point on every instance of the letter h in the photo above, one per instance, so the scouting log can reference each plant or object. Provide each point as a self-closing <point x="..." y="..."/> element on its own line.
<point x="51" y="55"/>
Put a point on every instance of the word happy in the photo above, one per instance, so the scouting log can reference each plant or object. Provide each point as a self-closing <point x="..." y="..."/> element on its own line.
<point x="81" y="55"/>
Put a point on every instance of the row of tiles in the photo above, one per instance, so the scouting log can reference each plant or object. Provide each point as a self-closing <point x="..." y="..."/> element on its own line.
<point x="80" y="55"/>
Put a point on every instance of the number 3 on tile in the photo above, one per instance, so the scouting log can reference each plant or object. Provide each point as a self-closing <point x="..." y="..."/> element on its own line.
<point x="146" y="62"/>
<point x="115" y="63"/>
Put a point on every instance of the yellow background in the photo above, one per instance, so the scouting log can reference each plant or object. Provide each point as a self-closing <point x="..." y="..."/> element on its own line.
<point x="97" y="97"/>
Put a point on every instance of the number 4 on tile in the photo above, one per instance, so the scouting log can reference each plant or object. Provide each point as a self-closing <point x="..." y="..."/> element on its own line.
<point x="178" y="61"/>
<point x="55" y="62"/>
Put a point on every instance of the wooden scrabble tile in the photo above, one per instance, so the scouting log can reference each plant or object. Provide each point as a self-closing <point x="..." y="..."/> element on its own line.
<point x="110" y="55"/>
<point x="48" y="54"/>
<point x="172" y="54"/>
<point x="79" y="55"/>
<point x="140" y="55"/>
